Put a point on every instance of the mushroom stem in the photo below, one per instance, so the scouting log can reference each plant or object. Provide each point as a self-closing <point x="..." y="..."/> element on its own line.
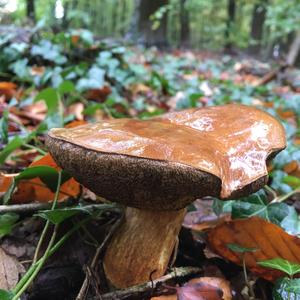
<point x="141" y="248"/>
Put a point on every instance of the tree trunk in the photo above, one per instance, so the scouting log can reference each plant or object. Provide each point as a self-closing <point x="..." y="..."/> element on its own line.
<point x="257" y="25"/>
<point x="294" y="50"/>
<point x="184" y="25"/>
<point x="146" y="34"/>
<point x="231" y="8"/>
<point x="30" y="10"/>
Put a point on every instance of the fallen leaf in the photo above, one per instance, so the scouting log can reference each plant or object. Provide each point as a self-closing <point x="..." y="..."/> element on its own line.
<point x="9" y="271"/>
<point x="8" y="89"/>
<point x="203" y="217"/>
<point x="269" y="239"/>
<point x="203" y="288"/>
<point x="35" y="190"/>
<point x="292" y="168"/>
<point x="75" y="123"/>
<point x="98" y="95"/>
<point x="208" y="288"/>
<point x="37" y="71"/>
<point x="75" y="109"/>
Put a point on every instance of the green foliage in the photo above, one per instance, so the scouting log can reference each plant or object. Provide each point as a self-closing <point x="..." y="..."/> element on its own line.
<point x="286" y="289"/>
<point x="280" y="264"/>
<point x="6" y="295"/>
<point x="7" y="222"/>
<point x="240" y="249"/>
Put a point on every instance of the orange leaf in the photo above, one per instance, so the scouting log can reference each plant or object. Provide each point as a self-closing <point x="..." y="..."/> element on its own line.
<point x="292" y="168"/>
<point x="75" y="123"/>
<point x="35" y="190"/>
<point x="269" y="239"/>
<point x="8" y="89"/>
<point x="5" y="181"/>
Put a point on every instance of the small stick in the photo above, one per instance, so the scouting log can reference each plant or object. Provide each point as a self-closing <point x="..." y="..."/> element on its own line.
<point x="34" y="207"/>
<point x="137" y="289"/>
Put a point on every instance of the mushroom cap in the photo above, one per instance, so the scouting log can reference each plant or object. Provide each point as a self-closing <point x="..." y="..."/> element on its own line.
<point x="169" y="161"/>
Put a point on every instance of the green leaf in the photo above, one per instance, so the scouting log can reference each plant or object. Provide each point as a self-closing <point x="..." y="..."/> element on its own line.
<point x="220" y="206"/>
<point x="66" y="87"/>
<point x="292" y="181"/>
<point x="7" y="222"/>
<point x="257" y="205"/>
<point x="294" y="286"/>
<point x="240" y="249"/>
<point x="6" y="295"/>
<point x="4" y="127"/>
<point x="10" y="147"/>
<point x="55" y="114"/>
<point x="48" y="175"/>
<point x="291" y="223"/>
<point x="286" y="289"/>
<point x="281" y="265"/>
<point x="57" y="216"/>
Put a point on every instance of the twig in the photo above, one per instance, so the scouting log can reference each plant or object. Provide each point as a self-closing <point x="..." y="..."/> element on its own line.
<point x="138" y="289"/>
<point x="34" y="207"/>
<point x="27" y="208"/>
<point x="83" y="291"/>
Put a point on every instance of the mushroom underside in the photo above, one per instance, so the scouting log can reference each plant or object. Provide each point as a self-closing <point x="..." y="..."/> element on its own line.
<point x="140" y="182"/>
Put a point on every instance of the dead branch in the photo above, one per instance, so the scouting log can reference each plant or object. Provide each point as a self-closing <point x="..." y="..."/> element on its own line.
<point x="149" y="286"/>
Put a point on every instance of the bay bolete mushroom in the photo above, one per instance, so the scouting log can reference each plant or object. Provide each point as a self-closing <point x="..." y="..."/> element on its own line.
<point x="157" y="167"/>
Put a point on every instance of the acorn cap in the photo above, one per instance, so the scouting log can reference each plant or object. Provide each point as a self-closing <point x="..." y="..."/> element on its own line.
<point x="167" y="162"/>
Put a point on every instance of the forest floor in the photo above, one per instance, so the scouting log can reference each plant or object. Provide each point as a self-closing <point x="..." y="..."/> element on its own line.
<point x="68" y="79"/>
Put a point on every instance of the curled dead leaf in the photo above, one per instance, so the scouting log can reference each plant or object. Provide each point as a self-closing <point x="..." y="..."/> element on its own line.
<point x="269" y="239"/>
<point x="10" y="269"/>
<point x="203" y="288"/>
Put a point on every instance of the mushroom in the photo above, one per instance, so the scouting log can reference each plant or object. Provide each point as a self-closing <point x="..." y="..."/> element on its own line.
<point x="156" y="167"/>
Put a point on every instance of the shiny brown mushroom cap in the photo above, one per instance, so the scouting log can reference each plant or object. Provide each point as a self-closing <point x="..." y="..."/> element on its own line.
<point x="169" y="161"/>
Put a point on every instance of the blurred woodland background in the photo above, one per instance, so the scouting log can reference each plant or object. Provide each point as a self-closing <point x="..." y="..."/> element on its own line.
<point x="267" y="28"/>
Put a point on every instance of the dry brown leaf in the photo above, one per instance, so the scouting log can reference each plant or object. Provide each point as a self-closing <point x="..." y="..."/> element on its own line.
<point x="165" y="297"/>
<point x="203" y="288"/>
<point x="269" y="239"/>
<point x="203" y="217"/>
<point x="8" y="89"/>
<point x="292" y="168"/>
<point x="98" y="95"/>
<point x="37" y="70"/>
<point x="9" y="271"/>
<point x="217" y="283"/>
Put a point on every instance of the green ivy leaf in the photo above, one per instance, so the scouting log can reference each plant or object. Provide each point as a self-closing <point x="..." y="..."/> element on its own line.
<point x="55" y="114"/>
<point x="281" y="265"/>
<point x="257" y="205"/>
<point x="286" y="289"/>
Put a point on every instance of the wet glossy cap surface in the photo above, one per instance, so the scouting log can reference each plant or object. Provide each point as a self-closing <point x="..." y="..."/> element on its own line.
<point x="231" y="142"/>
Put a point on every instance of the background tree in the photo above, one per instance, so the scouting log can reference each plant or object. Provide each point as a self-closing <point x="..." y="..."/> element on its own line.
<point x="148" y="35"/>
<point x="231" y="11"/>
<point x="257" y="26"/>
<point x="184" y="25"/>
<point x="30" y="10"/>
